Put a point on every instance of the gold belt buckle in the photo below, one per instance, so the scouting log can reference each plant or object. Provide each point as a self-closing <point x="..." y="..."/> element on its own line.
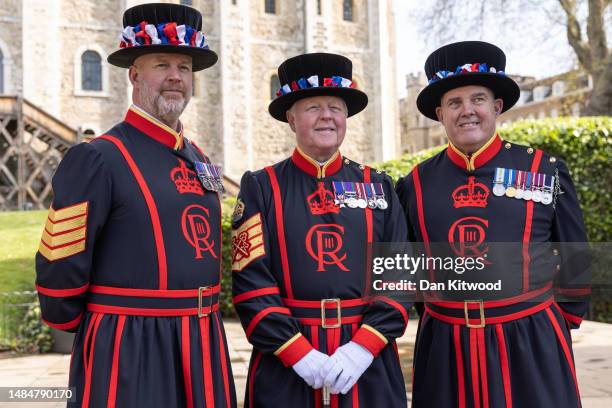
<point x="467" y="315"/>
<point x="323" y="317"/>
<point x="201" y="290"/>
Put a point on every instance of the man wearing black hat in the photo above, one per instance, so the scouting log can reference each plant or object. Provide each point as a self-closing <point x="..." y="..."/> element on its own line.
<point x="301" y="230"/>
<point x="130" y="258"/>
<point x="511" y="348"/>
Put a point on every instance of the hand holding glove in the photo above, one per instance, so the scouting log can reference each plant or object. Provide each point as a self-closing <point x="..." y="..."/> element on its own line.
<point x="309" y="367"/>
<point x="342" y="370"/>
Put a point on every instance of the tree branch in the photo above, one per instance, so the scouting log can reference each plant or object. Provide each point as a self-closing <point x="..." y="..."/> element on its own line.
<point x="574" y="35"/>
<point x="597" y="34"/>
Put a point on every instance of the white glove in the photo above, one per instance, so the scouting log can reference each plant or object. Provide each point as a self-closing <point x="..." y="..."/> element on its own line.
<point x="345" y="366"/>
<point x="309" y="367"/>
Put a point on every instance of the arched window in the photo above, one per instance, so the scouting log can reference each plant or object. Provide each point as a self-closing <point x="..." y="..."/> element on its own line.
<point x="1" y="72"/>
<point x="91" y="71"/>
<point x="274" y="86"/>
<point x="347" y="10"/>
<point x="270" y="6"/>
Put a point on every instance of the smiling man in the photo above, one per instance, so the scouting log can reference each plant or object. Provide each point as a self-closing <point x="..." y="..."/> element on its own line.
<point x="130" y="258"/>
<point x="513" y="348"/>
<point x="301" y="230"/>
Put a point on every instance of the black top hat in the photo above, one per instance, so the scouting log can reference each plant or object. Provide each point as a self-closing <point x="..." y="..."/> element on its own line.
<point x="165" y="28"/>
<point x="466" y="63"/>
<point x="316" y="74"/>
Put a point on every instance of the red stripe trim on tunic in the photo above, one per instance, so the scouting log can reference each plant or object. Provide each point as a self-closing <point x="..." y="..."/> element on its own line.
<point x="157" y="230"/>
<point x="280" y="229"/>
<point x="62" y="292"/>
<point x="474" y="368"/>
<point x="395" y="304"/>
<point x="252" y="378"/>
<point x="153" y="293"/>
<point x="503" y="361"/>
<point x="355" y="389"/>
<point x="333" y="341"/>
<point x="273" y="290"/>
<point x="137" y="311"/>
<point x="491" y="320"/>
<point x="370" y="234"/>
<point x="223" y="362"/>
<point x="65" y="326"/>
<point x="421" y="214"/>
<point x="566" y="349"/>
<point x="87" y="388"/>
<point x="496" y="303"/>
<point x="316" y="304"/>
<point x="112" y="388"/>
<point x="209" y="395"/>
<point x="317" y="321"/>
<point x="459" y="363"/>
<point x="255" y="321"/>
<point x="482" y="359"/>
<point x="568" y="316"/>
<point x="314" y="335"/>
<point x="186" y="359"/>
<point x="528" y="222"/>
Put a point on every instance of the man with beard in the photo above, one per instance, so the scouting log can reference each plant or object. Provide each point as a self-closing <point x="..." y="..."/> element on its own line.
<point x="130" y="257"/>
<point x="493" y="349"/>
<point x="301" y="234"/>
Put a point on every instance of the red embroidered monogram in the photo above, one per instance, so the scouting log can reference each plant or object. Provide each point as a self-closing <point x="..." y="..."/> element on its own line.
<point x="186" y="180"/>
<point x="467" y="235"/>
<point x="323" y="242"/>
<point x="196" y="230"/>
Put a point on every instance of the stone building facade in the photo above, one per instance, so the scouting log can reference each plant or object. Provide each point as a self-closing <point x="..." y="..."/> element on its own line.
<point x="560" y="95"/>
<point x="46" y="45"/>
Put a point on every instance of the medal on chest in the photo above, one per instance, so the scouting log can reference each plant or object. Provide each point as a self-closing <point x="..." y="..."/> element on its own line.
<point x="210" y="176"/>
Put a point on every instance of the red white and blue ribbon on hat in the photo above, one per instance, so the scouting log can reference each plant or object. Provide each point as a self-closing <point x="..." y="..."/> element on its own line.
<point x="464" y="69"/>
<point x="313" y="82"/>
<point x="160" y="34"/>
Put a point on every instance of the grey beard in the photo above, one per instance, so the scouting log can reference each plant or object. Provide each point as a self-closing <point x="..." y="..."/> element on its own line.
<point x="160" y="107"/>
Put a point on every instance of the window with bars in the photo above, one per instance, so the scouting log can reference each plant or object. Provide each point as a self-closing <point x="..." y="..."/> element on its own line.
<point x="274" y="86"/>
<point x="270" y="6"/>
<point x="91" y="71"/>
<point x="347" y="10"/>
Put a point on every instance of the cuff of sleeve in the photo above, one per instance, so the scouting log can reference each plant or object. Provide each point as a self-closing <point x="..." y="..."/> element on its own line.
<point x="370" y="339"/>
<point x="572" y="319"/>
<point x="293" y="350"/>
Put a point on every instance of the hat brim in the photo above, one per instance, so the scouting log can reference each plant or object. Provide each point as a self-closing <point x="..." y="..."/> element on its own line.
<point x="355" y="100"/>
<point x="502" y="86"/>
<point x="202" y="57"/>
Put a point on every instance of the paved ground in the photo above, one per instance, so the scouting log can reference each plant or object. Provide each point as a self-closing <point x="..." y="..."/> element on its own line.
<point x="592" y="348"/>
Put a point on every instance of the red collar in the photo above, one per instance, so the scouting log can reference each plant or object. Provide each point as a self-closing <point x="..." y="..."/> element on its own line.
<point x="152" y="127"/>
<point x="476" y="159"/>
<point x="311" y="167"/>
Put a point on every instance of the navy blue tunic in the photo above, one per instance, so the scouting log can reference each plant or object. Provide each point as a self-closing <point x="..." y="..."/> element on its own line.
<point x="518" y="351"/>
<point x="130" y="259"/>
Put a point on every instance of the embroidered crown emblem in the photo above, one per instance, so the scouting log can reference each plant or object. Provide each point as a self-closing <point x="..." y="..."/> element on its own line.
<point x="471" y="194"/>
<point x="322" y="201"/>
<point x="185" y="180"/>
